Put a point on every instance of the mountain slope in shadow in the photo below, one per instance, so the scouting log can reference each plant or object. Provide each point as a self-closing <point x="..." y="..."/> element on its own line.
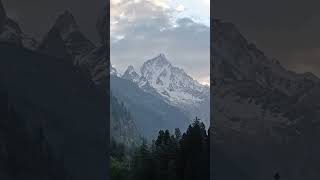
<point x="150" y="112"/>
<point x="58" y="101"/>
<point x="265" y="117"/>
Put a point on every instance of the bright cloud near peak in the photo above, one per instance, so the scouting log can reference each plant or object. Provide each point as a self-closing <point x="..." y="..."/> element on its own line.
<point x="161" y="3"/>
<point x="180" y="8"/>
<point x="144" y="28"/>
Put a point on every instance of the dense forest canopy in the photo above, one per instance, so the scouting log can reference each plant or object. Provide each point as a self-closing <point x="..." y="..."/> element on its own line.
<point x="171" y="156"/>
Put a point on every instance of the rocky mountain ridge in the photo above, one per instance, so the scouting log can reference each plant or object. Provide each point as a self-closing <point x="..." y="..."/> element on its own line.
<point x="159" y="77"/>
<point x="265" y="117"/>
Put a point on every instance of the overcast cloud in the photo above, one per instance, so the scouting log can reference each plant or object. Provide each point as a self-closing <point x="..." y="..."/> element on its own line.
<point x="142" y="29"/>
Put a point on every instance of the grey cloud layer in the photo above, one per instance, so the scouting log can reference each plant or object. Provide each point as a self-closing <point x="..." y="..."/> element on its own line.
<point x="186" y="45"/>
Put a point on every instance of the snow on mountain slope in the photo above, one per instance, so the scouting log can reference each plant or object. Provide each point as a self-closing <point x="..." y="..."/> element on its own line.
<point x="131" y="74"/>
<point x="172" y="82"/>
<point x="150" y="112"/>
<point x="113" y="71"/>
<point x="159" y="77"/>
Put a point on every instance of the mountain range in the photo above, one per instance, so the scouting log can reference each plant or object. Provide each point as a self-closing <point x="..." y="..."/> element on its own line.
<point x="160" y="96"/>
<point x="173" y="85"/>
<point x="175" y="104"/>
<point x="53" y="114"/>
<point x="265" y="118"/>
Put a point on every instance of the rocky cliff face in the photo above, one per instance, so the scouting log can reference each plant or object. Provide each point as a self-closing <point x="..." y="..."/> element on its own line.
<point x="265" y="117"/>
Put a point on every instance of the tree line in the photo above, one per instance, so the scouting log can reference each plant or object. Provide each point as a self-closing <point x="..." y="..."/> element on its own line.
<point x="171" y="156"/>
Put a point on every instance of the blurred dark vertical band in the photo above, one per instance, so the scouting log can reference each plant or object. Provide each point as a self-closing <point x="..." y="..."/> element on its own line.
<point x="54" y="118"/>
<point x="211" y="92"/>
<point x="107" y="42"/>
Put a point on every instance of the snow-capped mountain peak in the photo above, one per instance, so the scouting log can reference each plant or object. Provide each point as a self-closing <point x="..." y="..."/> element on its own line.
<point x="162" y="58"/>
<point x="131" y="74"/>
<point x="162" y="75"/>
<point x="113" y="71"/>
<point x="158" y="62"/>
<point x="159" y="77"/>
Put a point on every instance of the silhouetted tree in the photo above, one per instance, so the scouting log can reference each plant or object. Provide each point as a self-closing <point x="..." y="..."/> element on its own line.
<point x="195" y="152"/>
<point x="142" y="164"/>
<point x="170" y="156"/>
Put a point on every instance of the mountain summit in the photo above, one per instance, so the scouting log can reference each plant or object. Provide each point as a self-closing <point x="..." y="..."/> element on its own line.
<point x="159" y="77"/>
<point x="168" y="79"/>
<point x="131" y="74"/>
<point x="157" y="62"/>
<point x="76" y="44"/>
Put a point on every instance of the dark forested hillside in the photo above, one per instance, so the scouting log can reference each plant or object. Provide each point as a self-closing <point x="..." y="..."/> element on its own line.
<point x="150" y="112"/>
<point x="123" y="128"/>
<point x="53" y="119"/>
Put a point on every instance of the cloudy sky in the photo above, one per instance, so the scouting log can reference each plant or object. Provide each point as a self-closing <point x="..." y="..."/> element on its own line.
<point x="285" y="29"/>
<point x="142" y="29"/>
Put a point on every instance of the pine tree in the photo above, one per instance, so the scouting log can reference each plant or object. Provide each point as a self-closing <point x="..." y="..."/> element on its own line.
<point x="194" y="152"/>
<point x="143" y="164"/>
<point x="177" y="134"/>
<point x="174" y="156"/>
